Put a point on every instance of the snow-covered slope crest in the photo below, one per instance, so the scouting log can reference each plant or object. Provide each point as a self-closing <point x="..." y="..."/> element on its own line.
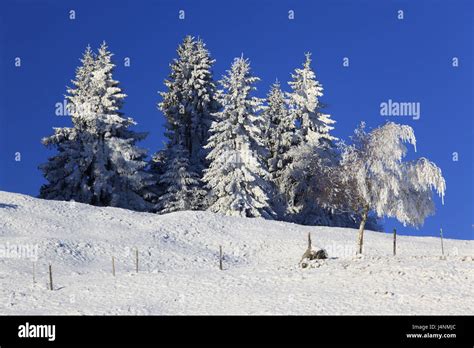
<point x="178" y="260"/>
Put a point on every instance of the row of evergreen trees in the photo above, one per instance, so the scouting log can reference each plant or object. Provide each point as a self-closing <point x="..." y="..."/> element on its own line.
<point x="228" y="151"/>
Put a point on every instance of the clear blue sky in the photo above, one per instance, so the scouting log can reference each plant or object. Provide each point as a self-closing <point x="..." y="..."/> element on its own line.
<point x="407" y="60"/>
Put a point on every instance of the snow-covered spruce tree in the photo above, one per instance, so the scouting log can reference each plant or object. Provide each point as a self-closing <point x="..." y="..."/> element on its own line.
<point x="374" y="177"/>
<point x="157" y="169"/>
<point x="190" y="100"/>
<point x="188" y="105"/>
<point x="279" y="136"/>
<point x="305" y="182"/>
<point x="237" y="175"/>
<point x="183" y="191"/>
<point x="98" y="161"/>
<point x="314" y="126"/>
<point x="204" y="105"/>
<point x="177" y="121"/>
<point x="313" y="152"/>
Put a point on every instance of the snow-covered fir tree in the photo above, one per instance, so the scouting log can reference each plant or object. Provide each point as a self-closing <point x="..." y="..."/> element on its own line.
<point x="313" y="126"/>
<point x="190" y="99"/>
<point x="204" y="104"/>
<point x="237" y="175"/>
<point x="313" y="151"/>
<point x="280" y="131"/>
<point x="183" y="191"/>
<point x="304" y="181"/>
<point x="157" y="169"/>
<point x="98" y="161"/>
<point x="188" y="105"/>
<point x="280" y="137"/>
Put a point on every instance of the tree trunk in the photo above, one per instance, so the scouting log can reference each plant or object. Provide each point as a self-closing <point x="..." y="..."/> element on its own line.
<point x="360" y="238"/>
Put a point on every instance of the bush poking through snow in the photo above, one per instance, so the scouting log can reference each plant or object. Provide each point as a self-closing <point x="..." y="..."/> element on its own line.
<point x="311" y="254"/>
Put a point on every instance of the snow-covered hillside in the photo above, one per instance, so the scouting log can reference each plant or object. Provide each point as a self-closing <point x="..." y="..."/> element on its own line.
<point x="179" y="268"/>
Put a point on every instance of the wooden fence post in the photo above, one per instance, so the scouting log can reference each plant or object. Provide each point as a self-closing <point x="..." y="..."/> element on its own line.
<point x="394" y="241"/>
<point x="441" y="235"/>
<point x="50" y="277"/>
<point x="136" y="260"/>
<point x="220" y="257"/>
<point x="113" y="266"/>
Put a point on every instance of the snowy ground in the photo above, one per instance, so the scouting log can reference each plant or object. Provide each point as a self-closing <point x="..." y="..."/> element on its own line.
<point x="179" y="273"/>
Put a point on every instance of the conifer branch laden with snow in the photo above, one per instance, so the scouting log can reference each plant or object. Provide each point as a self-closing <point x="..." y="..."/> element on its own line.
<point x="374" y="177"/>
